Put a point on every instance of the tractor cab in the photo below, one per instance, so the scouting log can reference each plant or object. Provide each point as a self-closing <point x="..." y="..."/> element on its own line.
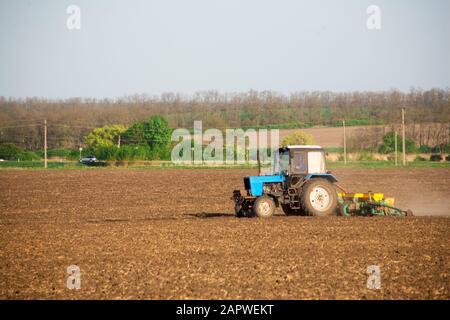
<point x="300" y="160"/>
<point x="301" y="163"/>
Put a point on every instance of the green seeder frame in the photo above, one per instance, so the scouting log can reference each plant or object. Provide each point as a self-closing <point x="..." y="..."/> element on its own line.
<point x="368" y="204"/>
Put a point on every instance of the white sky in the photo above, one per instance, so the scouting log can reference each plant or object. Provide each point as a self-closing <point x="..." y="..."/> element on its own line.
<point x="130" y="46"/>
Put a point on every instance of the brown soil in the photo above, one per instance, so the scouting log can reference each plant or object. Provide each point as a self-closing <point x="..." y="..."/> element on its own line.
<point x="167" y="234"/>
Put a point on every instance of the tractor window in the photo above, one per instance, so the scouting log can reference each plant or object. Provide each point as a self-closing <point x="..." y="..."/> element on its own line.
<point x="284" y="161"/>
<point x="299" y="162"/>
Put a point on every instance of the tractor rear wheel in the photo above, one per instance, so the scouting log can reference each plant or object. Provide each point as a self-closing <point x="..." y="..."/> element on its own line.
<point x="264" y="207"/>
<point x="289" y="211"/>
<point x="319" y="198"/>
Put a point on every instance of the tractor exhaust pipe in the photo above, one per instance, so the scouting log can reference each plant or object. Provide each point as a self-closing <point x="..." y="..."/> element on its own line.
<point x="259" y="163"/>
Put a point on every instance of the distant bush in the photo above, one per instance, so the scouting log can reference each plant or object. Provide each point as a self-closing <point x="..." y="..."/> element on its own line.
<point x="436" y="157"/>
<point x="129" y="153"/>
<point x="446" y="148"/>
<point x="68" y="154"/>
<point x="60" y="153"/>
<point x="435" y="149"/>
<point x="388" y="145"/>
<point x="419" y="158"/>
<point x="136" y="152"/>
<point x="28" y="156"/>
<point x="104" y="153"/>
<point x="357" y="122"/>
<point x="9" y="151"/>
<point x="298" y="138"/>
<point x="424" y="149"/>
<point x="447" y="158"/>
<point x="291" y="125"/>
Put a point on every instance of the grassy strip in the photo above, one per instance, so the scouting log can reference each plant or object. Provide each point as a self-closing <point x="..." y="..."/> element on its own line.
<point x="39" y="165"/>
<point x="386" y="164"/>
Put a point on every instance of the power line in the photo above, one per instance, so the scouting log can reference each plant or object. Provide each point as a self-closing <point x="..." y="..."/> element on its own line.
<point x="21" y="126"/>
<point x="71" y="126"/>
<point x="28" y="120"/>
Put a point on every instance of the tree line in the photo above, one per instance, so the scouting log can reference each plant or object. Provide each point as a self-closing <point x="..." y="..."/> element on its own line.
<point x="71" y="120"/>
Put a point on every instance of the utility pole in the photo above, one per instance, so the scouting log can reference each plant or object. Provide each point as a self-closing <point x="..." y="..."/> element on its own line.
<point x="403" y="136"/>
<point x="396" y="148"/>
<point x="345" y="143"/>
<point x="45" y="143"/>
<point x="118" y="143"/>
<point x="259" y="162"/>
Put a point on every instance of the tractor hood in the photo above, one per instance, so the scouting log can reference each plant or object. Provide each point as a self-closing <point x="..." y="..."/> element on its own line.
<point x="254" y="184"/>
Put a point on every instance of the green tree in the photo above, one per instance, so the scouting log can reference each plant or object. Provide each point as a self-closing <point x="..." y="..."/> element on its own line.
<point x="135" y="134"/>
<point x="154" y="133"/>
<point x="388" y="145"/>
<point x="9" y="151"/>
<point x="157" y="132"/>
<point x="298" y="138"/>
<point x="106" y="136"/>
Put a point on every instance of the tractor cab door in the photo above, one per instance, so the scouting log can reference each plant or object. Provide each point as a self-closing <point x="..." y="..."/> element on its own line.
<point x="298" y="162"/>
<point x="281" y="162"/>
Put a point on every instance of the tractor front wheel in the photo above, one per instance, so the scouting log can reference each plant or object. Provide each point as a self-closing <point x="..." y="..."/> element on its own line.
<point x="319" y="198"/>
<point x="264" y="207"/>
<point x="239" y="211"/>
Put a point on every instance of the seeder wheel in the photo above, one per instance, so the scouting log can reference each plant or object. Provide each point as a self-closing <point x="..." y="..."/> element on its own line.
<point x="344" y="209"/>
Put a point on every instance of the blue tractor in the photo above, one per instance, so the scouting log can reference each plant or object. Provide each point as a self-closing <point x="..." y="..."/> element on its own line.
<point x="299" y="184"/>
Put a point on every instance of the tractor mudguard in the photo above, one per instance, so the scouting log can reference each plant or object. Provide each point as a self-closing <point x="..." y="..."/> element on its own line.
<point x="330" y="177"/>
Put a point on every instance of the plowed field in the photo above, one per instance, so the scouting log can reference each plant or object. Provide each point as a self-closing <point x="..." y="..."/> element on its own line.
<point x="170" y="234"/>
